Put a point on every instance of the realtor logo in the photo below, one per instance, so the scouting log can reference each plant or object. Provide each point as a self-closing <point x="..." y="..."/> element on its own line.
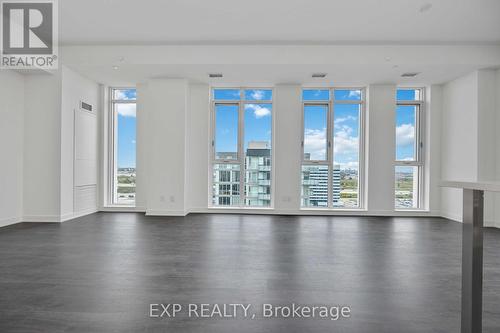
<point x="29" y="34"/>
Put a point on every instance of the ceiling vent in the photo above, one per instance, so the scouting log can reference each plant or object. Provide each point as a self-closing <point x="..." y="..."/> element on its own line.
<point x="215" y="75"/>
<point x="319" y="75"/>
<point x="411" y="74"/>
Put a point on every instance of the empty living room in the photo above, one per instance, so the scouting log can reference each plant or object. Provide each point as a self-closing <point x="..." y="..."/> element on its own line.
<point x="265" y="166"/>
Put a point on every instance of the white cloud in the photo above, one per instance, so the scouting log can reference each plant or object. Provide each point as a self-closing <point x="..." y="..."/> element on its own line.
<point x="126" y="110"/>
<point x="120" y="94"/>
<point x="405" y="135"/>
<point x="344" y="119"/>
<point x="258" y="110"/>
<point x="354" y="94"/>
<point x="315" y="143"/>
<point x="345" y="142"/>
<point x="257" y="94"/>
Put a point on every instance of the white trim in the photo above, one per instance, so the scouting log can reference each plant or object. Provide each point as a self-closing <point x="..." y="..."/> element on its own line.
<point x="42" y="218"/>
<point x="152" y="212"/>
<point x="490" y="224"/>
<point x="57" y="218"/>
<point x="122" y="209"/>
<point x="420" y="130"/>
<point x="10" y="221"/>
<point x="313" y="212"/>
<point x="68" y="217"/>
<point x="112" y="133"/>
<point x="451" y="216"/>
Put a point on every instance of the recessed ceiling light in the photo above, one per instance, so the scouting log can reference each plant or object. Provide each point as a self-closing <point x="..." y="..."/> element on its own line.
<point x="115" y="67"/>
<point x="425" y="7"/>
<point x="319" y="75"/>
<point x="410" y="74"/>
<point x="215" y="75"/>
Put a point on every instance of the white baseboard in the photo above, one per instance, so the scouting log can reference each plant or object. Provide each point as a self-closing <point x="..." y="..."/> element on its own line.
<point x="491" y="223"/>
<point x="451" y="216"/>
<point x="57" y="218"/>
<point x="312" y="211"/>
<point x="71" y="216"/>
<point x="9" y="221"/>
<point x="122" y="209"/>
<point x="41" y="218"/>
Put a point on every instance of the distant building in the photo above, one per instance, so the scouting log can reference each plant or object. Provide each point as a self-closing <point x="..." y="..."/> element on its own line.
<point x="315" y="185"/>
<point x="336" y="186"/>
<point x="258" y="174"/>
<point x="257" y="181"/>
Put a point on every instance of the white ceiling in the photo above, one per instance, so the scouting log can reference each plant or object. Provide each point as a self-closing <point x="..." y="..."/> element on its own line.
<point x="278" y="21"/>
<point x="257" y="64"/>
<point x="279" y="41"/>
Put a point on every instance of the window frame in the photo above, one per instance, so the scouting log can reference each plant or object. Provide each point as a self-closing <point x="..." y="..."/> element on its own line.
<point x="112" y="191"/>
<point x="329" y="162"/>
<point x="240" y="160"/>
<point x="419" y="160"/>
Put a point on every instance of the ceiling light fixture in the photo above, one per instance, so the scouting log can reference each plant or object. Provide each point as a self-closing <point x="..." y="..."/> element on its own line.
<point x="215" y="75"/>
<point x="410" y="74"/>
<point x="115" y="67"/>
<point x="425" y="7"/>
<point x="319" y="75"/>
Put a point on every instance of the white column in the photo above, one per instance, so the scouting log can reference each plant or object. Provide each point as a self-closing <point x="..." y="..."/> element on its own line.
<point x="166" y="108"/>
<point x="287" y="150"/>
<point x="381" y="145"/>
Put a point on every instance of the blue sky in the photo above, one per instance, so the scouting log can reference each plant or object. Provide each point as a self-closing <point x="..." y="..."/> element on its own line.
<point x="405" y="125"/>
<point x="346" y="126"/>
<point x="257" y="118"/>
<point x="126" y="124"/>
<point x="258" y="124"/>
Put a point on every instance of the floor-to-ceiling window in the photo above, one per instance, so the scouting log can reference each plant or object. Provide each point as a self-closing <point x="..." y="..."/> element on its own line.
<point x="123" y="152"/>
<point x="332" y="148"/>
<point x="241" y="147"/>
<point x="408" y="167"/>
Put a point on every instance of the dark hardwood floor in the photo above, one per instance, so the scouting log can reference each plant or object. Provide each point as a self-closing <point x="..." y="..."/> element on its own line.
<point x="99" y="273"/>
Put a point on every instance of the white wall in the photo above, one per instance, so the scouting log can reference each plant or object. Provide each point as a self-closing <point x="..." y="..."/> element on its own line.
<point x="141" y="190"/>
<point x="75" y="88"/>
<point x="166" y="138"/>
<point x="197" y="147"/>
<point x="458" y="140"/>
<point x="497" y="140"/>
<point x="11" y="146"/>
<point x="287" y="149"/>
<point x="50" y="102"/>
<point x="432" y="148"/>
<point x="469" y="138"/>
<point x="381" y="147"/>
<point x="174" y="143"/>
<point x="42" y="148"/>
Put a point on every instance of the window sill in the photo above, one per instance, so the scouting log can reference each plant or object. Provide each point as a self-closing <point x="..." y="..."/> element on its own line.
<point x="333" y="209"/>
